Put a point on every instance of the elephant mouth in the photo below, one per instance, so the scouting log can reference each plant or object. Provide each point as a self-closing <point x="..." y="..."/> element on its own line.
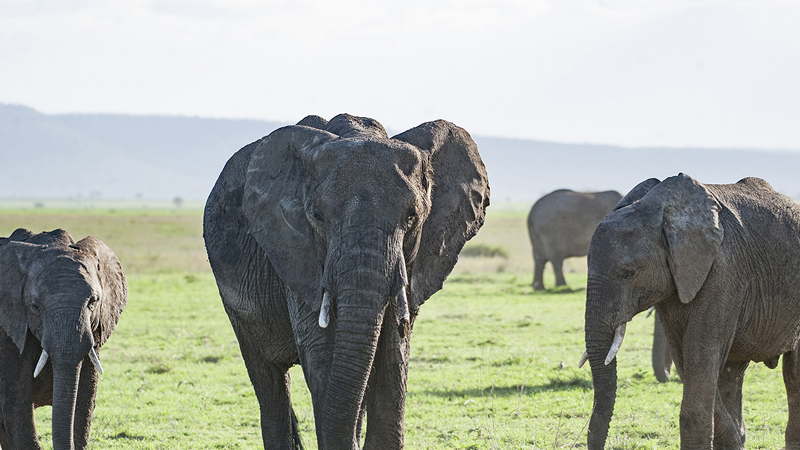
<point x="45" y="357"/>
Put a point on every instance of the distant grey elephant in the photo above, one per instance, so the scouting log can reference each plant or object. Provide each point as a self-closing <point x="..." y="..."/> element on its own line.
<point x="720" y="265"/>
<point x="325" y="239"/>
<point x="560" y="226"/>
<point x="60" y="301"/>
<point x="661" y="358"/>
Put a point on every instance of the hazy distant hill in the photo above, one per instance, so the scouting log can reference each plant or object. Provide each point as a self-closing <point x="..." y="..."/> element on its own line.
<point x="158" y="157"/>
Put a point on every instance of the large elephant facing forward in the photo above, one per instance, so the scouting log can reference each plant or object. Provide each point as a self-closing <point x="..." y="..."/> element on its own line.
<point x="325" y="239"/>
<point x="59" y="302"/>
<point x="720" y="265"/>
<point x="560" y="226"/>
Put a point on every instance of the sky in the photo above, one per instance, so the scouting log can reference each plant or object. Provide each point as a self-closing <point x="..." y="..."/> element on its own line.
<point x="680" y="73"/>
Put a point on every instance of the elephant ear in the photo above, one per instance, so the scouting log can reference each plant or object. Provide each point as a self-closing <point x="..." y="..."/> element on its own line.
<point x="459" y="198"/>
<point x="637" y="192"/>
<point x="274" y="204"/>
<point x="115" y="287"/>
<point x="13" y="316"/>
<point x="692" y="232"/>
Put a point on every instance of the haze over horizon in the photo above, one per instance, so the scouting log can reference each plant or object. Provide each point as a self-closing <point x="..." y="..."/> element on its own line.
<point x="704" y="73"/>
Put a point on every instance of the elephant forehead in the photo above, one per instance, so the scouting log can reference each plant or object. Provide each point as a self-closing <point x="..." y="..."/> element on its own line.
<point x="374" y="156"/>
<point x="65" y="269"/>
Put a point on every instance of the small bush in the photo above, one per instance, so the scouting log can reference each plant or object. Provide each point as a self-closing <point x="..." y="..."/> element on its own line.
<point x="484" y="251"/>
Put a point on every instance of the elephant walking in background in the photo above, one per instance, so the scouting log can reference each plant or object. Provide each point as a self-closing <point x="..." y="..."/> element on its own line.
<point x="59" y="302"/>
<point x="560" y="226"/>
<point x="325" y="239"/>
<point x="720" y="265"/>
<point x="662" y="357"/>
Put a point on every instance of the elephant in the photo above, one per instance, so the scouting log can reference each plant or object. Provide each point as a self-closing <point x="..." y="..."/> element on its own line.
<point x="560" y="226"/>
<point x="720" y="264"/>
<point x="60" y="300"/>
<point x="325" y="239"/>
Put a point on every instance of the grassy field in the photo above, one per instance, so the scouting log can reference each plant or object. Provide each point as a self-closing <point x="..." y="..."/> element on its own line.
<point x="493" y="364"/>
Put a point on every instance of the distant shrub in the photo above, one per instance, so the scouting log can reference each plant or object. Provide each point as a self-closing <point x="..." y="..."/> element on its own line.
<point x="484" y="251"/>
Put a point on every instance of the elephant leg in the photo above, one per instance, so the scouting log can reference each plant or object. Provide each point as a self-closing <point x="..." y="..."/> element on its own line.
<point x="558" y="264"/>
<point x="729" y="429"/>
<point x="386" y="398"/>
<point x="84" y="406"/>
<point x="661" y="358"/>
<point x="16" y="411"/>
<point x="270" y="379"/>
<point x="3" y="434"/>
<point x="791" y="380"/>
<point x="538" y="272"/>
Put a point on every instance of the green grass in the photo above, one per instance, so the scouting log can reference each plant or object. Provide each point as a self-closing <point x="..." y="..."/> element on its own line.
<point x="493" y="364"/>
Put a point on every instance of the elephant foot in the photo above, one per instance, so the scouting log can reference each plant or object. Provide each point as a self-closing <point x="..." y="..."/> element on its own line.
<point x="538" y="286"/>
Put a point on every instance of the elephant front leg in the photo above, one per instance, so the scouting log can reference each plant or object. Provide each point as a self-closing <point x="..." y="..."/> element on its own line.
<point x="791" y="380"/>
<point x="84" y="406"/>
<point x="386" y="392"/>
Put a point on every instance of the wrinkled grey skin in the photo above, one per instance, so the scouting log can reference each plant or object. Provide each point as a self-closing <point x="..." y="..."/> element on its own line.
<point x="64" y="297"/>
<point x="560" y="226"/>
<point x="661" y="358"/>
<point x="720" y="265"/>
<point x="338" y="210"/>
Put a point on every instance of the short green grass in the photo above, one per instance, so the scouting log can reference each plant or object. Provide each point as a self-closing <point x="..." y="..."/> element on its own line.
<point x="493" y="363"/>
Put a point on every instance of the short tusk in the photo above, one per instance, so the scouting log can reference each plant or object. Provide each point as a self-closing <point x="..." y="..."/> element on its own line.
<point x="619" y="334"/>
<point x="325" y="310"/>
<point x="95" y="360"/>
<point x="650" y="311"/>
<point x="40" y="365"/>
<point x="584" y="358"/>
<point x="402" y="306"/>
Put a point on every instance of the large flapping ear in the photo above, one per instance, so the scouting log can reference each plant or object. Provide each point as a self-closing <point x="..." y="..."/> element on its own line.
<point x="460" y="196"/>
<point x="692" y="232"/>
<point x="274" y="204"/>
<point x="115" y="287"/>
<point x="13" y="315"/>
<point x="637" y="192"/>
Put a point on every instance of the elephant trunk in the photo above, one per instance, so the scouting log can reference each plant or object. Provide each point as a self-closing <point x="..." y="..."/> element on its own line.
<point x="600" y="342"/>
<point x="65" y="391"/>
<point x="357" y="333"/>
<point x="67" y="338"/>
<point x="361" y="280"/>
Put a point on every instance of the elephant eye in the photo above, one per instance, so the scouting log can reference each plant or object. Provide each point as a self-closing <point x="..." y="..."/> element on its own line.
<point x="411" y="218"/>
<point x="34" y="306"/>
<point x="92" y="301"/>
<point x="315" y="214"/>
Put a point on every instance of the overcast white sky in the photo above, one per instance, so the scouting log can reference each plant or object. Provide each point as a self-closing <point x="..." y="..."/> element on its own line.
<point x="650" y="72"/>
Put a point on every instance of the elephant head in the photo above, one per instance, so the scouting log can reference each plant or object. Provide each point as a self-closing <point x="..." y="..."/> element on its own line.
<point x="68" y="295"/>
<point x="362" y="228"/>
<point x="658" y="244"/>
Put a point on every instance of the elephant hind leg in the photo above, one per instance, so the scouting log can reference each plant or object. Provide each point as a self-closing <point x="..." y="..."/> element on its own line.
<point x="791" y="380"/>
<point x="538" y="272"/>
<point x="729" y="429"/>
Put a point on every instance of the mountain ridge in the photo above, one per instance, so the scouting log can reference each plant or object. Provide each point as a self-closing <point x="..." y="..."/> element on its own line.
<point x="114" y="156"/>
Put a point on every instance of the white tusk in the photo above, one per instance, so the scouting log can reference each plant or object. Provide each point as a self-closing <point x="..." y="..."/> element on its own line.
<point x="40" y="365"/>
<point x="619" y="334"/>
<point x="324" y="311"/>
<point x="95" y="360"/>
<point x="584" y="358"/>
<point x="402" y="305"/>
<point x="650" y="311"/>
